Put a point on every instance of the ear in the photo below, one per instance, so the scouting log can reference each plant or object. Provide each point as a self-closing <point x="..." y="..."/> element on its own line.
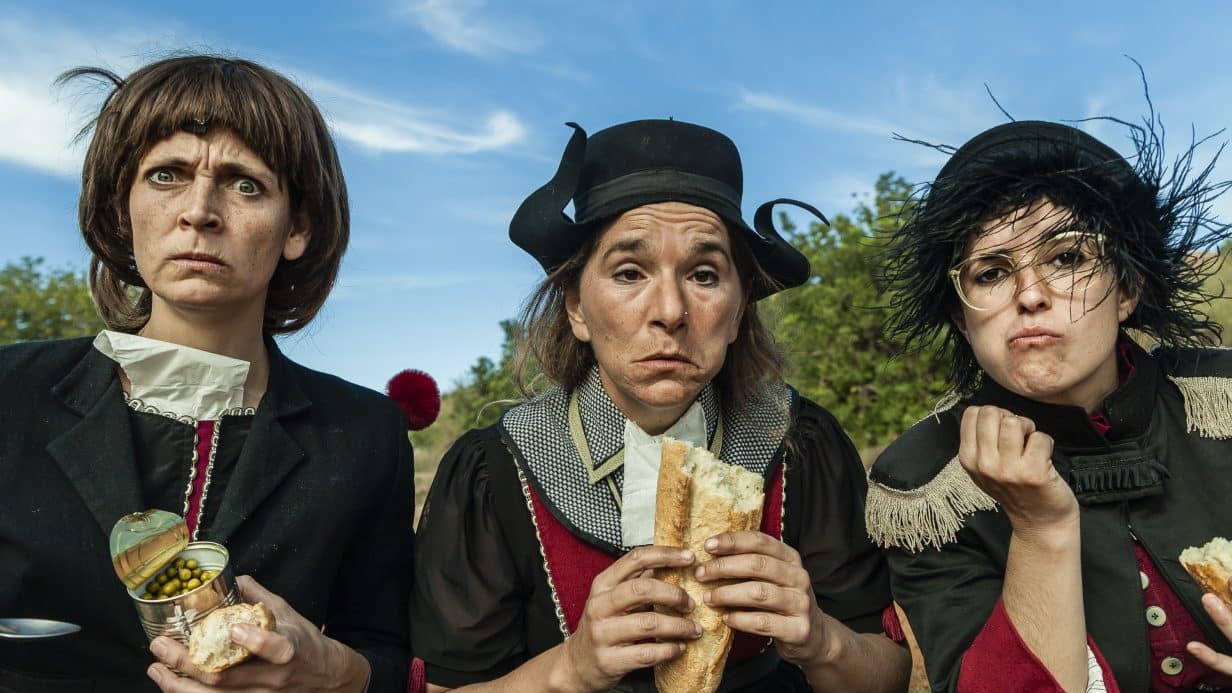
<point x="960" y="321"/>
<point x="577" y="317"/>
<point x="1127" y="300"/>
<point x="297" y="238"/>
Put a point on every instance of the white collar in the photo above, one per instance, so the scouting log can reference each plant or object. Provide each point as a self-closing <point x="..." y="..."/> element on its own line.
<point x="175" y="379"/>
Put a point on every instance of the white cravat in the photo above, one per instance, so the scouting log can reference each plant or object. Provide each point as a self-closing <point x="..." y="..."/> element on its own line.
<point x="641" y="482"/>
<point x="176" y="379"/>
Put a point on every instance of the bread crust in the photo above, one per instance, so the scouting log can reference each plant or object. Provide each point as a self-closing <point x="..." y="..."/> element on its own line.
<point x="1211" y="578"/>
<point x="685" y="516"/>
<point x="210" y="646"/>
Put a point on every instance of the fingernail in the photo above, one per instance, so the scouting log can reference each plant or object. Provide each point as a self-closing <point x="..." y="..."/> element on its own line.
<point x="686" y="555"/>
<point x="712" y="544"/>
<point x="680" y="646"/>
<point x="691" y="605"/>
<point x="706" y="596"/>
<point x="697" y="629"/>
<point x="159" y="648"/>
<point x="724" y="618"/>
<point x="700" y="572"/>
<point x="239" y="634"/>
<point x="154" y="673"/>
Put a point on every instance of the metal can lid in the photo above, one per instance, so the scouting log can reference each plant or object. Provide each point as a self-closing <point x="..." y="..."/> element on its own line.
<point x="143" y="543"/>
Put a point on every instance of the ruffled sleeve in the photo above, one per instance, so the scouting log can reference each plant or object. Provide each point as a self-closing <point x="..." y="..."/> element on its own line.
<point x="467" y="608"/>
<point x="824" y="521"/>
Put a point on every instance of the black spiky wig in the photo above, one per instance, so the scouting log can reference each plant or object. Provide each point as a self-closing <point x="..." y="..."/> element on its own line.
<point x="1159" y="233"/>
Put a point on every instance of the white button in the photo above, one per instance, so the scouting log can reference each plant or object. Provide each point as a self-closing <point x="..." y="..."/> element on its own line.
<point x="1145" y="580"/>
<point x="1155" y="616"/>
<point x="1171" y="666"/>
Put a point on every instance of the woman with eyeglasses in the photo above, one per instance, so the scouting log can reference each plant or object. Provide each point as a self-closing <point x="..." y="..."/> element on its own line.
<point x="1033" y="526"/>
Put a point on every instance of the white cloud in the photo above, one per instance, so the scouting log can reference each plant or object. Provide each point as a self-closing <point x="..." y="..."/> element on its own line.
<point x="381" y="125"/>
<point x="816" y="116"/>
<point x="38" y="121"/>
<point x="463" y="26"/>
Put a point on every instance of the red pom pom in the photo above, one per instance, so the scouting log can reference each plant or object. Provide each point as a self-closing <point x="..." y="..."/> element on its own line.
<point x="415" y="391"/>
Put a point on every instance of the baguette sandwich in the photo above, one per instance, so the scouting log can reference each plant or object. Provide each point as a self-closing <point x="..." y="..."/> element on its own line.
<point x="1211" y="566"/>
<point x="210" y="646"/>
<point x="698" y="497"/>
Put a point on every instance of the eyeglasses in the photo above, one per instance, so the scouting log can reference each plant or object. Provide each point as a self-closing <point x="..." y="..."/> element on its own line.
<point x="1063" y="262"/>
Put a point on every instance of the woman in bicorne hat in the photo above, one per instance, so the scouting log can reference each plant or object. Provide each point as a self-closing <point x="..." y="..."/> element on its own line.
<point x="536" y="532"/>
<point x="216" y="211"/>
<point x="1034" y="527"/>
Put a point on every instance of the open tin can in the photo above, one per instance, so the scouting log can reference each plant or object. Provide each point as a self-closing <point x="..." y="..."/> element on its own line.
<point x="143" y="545"/>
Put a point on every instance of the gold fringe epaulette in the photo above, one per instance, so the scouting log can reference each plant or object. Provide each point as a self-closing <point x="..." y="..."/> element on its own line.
<point x="930" y="515"/>
<point x="1208" y="405"/>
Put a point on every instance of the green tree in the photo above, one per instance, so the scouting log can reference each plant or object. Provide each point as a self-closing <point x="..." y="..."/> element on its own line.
<point x="478" y="400"/>
<point x="832" y="327"/>
<point x="38" y="303"/>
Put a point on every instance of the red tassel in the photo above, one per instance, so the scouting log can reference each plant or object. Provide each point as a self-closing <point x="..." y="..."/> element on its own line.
<point x="415" y="391"/>
<point x="890" y="624"/>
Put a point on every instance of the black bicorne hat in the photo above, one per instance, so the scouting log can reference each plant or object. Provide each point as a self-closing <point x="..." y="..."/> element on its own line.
<point x="644" y="162"/>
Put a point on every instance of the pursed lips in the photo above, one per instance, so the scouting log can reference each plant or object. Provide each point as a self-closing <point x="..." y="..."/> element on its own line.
<point x="1033" y="336"/>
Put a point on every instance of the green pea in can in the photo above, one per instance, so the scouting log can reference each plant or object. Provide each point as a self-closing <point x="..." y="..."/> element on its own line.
<point x="176" y="616"/>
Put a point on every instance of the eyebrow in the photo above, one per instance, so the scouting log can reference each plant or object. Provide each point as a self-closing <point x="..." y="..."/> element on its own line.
<point x="1069" y="227"/>
<point x="633" y="246"/>
<point x="709" y="246"/>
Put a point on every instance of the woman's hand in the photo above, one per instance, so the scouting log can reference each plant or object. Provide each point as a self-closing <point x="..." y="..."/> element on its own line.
<point x="293" y="656"/>
<point x="772" y="596"/>
<point x="1012" y="462"/>
<point x="619" y="629"/>
<point x="1222" y="616"/>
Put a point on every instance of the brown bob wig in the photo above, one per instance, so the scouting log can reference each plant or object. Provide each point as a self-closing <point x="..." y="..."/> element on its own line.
<point x="272" y="116"/>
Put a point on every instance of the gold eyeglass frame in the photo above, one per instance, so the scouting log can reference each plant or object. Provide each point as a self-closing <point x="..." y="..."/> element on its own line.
<point x="955" y="272"/>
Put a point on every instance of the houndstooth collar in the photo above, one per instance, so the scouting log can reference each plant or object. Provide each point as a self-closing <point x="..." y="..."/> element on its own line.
<point x="537" y="433"/>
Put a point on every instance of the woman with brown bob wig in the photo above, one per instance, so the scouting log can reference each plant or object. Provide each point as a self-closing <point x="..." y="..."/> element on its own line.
<point x="538" y="531"/>
<point x="216" y="211"/>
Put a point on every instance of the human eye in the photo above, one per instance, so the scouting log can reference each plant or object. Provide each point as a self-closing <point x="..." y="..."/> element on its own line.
<point x="248" y="186"/>
<point x="706" y="276"/>
<point x="161" y="176"/>
<point x="988" y="271"/>
<point x="627" y="274"/>
<point x="990" y="275"/>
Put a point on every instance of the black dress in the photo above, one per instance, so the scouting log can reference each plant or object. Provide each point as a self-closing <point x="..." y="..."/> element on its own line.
<point x="482" y="605"/>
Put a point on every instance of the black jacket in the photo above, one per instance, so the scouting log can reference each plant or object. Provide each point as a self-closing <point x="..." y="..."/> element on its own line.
<point x="1150" y="477"/>
<point x="318" y="509"/>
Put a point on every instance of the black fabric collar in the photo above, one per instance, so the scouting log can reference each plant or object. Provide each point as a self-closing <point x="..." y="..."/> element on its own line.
<point x="1128" y="461"/>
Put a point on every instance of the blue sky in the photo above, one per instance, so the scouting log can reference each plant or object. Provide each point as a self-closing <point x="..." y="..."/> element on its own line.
<point x="448" y="112"/>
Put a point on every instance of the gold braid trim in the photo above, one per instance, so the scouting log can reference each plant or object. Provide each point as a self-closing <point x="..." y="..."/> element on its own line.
<point x="930" y="515"/>
<point x="1208" y="405"/>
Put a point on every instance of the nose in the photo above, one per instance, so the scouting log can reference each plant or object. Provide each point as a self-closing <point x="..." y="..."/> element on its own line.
<point x="670" y="309"/>
<point x="201" y="211"/>
<point x="1032" y="293"/>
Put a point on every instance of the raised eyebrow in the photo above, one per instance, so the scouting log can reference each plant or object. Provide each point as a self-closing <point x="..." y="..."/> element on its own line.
<point x="633" y="246"/>
<point x="707" y="246"/>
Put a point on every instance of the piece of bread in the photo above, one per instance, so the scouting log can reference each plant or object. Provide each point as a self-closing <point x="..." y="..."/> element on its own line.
<point x="210" y="646"/>
<point x="1211" y="566"/>
<point x="698" y="497"/>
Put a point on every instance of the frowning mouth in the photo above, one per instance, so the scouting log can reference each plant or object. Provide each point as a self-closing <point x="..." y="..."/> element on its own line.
<point x="201" y="262"/>
<point x="665" y="359"/>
